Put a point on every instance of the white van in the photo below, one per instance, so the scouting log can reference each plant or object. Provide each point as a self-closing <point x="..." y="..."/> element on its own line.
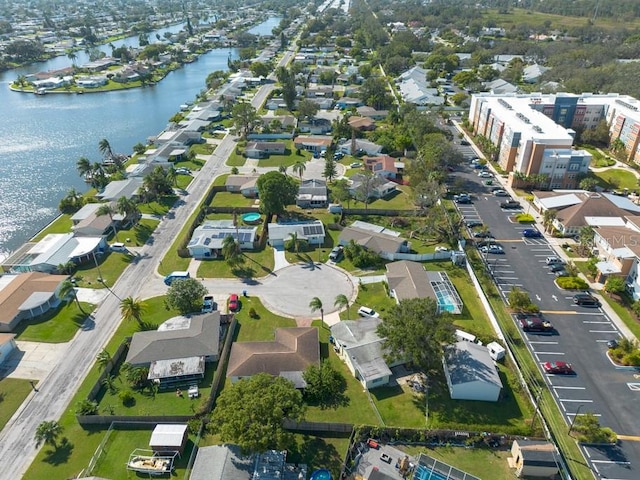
<point x="496" y="351"/>
<point x="168" y="280"/>
<point x="118" y="247"/>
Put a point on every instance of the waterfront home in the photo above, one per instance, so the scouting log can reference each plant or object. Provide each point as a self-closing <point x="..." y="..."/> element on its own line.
<point x="87" y="223"/>
<point x="121" y="188"/>
<point x="207" y="239"/>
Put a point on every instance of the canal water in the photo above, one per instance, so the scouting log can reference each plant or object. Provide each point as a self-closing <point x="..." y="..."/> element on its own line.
<point x="42" y="137"/>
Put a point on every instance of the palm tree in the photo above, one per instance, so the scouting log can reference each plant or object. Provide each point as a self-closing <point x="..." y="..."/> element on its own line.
<point x="548" y="217"/>
<point x="109" y="382"/>
<point x="231" y="251"/>
<point x="299" y="167"/>
<point x="282" y="169"/>
<point x="341" y="302"/>
<point x="294" y="242"/>
<point x="71" y="55"/>
<point x="107" y="209"/>
<point x="132" y="309"/>
<point x="66" y="268"/>
<point x="84" y="167"/>
<point x="67" y="288"/>
<point x="127" y="207"/>
<point x="103" y="358"/>
<point x="105" y="148"/>
<point x="172" y="176"/>
<point x="48" y="432"/>
<point x="316" y="304"/>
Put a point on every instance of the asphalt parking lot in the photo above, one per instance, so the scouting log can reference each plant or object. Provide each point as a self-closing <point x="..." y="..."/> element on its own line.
<point x="579" y="336"/>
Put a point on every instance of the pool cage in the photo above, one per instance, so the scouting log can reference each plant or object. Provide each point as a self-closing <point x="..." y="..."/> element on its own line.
<point x="446" y="294"/>
<point x="429" y="468"/>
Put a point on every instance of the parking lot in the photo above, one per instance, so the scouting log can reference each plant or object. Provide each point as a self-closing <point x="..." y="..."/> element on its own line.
<point x="579" y="336"/>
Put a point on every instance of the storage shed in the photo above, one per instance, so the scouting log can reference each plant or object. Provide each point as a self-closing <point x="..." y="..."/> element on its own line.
<point x="471" y="373"/>
<point x="169" y="438"/>
<point x="534" y="458"/>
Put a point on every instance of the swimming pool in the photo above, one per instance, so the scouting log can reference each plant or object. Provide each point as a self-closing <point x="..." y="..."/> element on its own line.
<point x="447" y="303"/>
<point x="423" y="473"/>
<point x="251" y="217"/>
<point x="322" y="474"/>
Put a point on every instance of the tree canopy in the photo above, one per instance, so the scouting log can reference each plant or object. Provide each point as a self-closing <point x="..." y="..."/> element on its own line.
<point x="185" y="295"/>
<point x="251" y="411"/>
<point x="415" y="330"/>
<point x="325" y="385"/>
<point x="276" y="191"/>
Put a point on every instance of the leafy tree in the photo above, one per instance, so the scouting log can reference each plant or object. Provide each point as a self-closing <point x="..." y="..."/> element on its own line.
<point x="251" y="411"/>
<point x="340" y="191"/>
<point x="519" y="300"/>
<point x="276" y="191"/>
<point x="341" y="302"/>
<point x="185" y="295"/>
<point x="548" y="217"/>
<point x="260" y="69"/>
<point x="330" y="169"/>
<point x="325" y="385"/>
<point x="374" y="93"/>
<point x="48" y="432"/>
<point x="429" y="331"/>
<point x="244" y="117"/>
<point x="132" y="309"/>
<point x="103" y="358"/>
<point x="72" y="202"/>
<point x="231" y="251"/>
<point x="589" y="430"/>
<point x="307" y="108"/>
<point x="364" y="190"/>
<point x="588" y="183"/>
<point x="87" y="407"/>
<point x="614" y="285"/>
<point x="360" y="257"/>
<point x="129" y="208"/>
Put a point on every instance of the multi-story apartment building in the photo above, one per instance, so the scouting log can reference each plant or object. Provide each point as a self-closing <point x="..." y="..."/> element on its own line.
<point x="534" y="133"/>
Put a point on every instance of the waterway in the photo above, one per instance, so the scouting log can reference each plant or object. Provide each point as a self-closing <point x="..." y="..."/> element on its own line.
<point x="42" y="137"/>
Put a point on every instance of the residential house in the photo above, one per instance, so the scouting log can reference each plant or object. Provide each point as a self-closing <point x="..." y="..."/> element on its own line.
<point x="407" y="279"/>
<point x="534" y="458"/>
<point x="53" y="250"/>
<point x="532" y="73"/>
<point x="121" y="188"/>
<point x="415" y="88"/>
<point x="283" y="122"/>
<point x="381" y="240"/>
<point x="292" y="351"/>
<point x="360" y="347"/>
<point x="207" y="240"/>
<point x="246" y="184"/>
<point x="311" y="232"/>
<point x="226" y="462"/>
<point x="578" y="208"/>
<point x="264" y="149"/>
<point x="384" y="166"/>
<point x="348" y="102"/>
<point x="375" y="187"/>
<point x="7" y="346"/>
<point x="177" y="351"/>
<point x="276" y="103"/>
<point x="315" y="126"/>
<point x="356" y="145"/>
<point x="312" y="193"/>
<point x="366" y="111"/>
<point x="313" y="143"/>
<point x="471" y="373"/>
<point x="362" y="124"/>
<point x="500" y="87"/>
<point x="179" y="138"/>
<point x="27" y="295"/>
<point x="87" y="223"/>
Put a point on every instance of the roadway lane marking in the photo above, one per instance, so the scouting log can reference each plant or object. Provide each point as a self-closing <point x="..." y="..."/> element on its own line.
<point x="574" y="401"/>
<point x="631" y="438"/>
<point x="615" y="462"/>
<point x="568" y="388"/>
<point x="594" y="414"/>
<point x="603" y="331"/>
<point x="548" y="353"/>
<point x="543" y="343"/>
<point x="559" y="312"/>
<point x="592" y="321"/>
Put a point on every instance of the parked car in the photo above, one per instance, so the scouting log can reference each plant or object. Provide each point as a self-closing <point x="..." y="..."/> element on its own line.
<point x="510" y="205"/>
<point x="336" y="253"/>
<point x="534" y="323"/>
<point x="208" y="304"/>
<point x="464" y="142"/>
<point x="486" y="234"/>
<point x="561" y="273"/>
<point x="474" y="223"/>
<point x="613" y="343"/>
<point x="118" y="247"/>
<point x="501" y="193"/>
<point x="440" y="248"/>
<point x="355" y="165"/>
<point x="367" y="312"/>
<point x="479" y="166"/>
<point x="495" y="249"/>
<point x="485" y="174"/>
<point x="462" y="199"/>
<point x="558" y="368"/>
<point x="234" y="303"/>
<point x="556" y="267"/>
<point x="183" y="171"/>
<point x="585" y="299"/>
<point x="531" y="233"/>
<point x="554" y="260"/>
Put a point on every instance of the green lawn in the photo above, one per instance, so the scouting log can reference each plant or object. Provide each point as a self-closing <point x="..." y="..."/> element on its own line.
<point x="289" y="158"/>
<point x="373" y="295"/>
<point x="119" y="446"/>
<point x="62" y="224"/>
<point x="139" y="234"/>
<point x="230" y="199"/>
<point x="236" y="159"/>
<point x="221" y="179"/>
<point x="475" y="461"/>
<point x="110" y="266"/>
<point x="629" y="319"/>
<point x="256" y="264"/>
<point x="57" y="326"/>
<point x="400" y="200"/>
<point x="68" y="462"/>
<point x="158" y="207"/>
<point x="261" y="329"/>
<point x="616" y="178"/>
<point x="13" y="391"/>
<point x="202" y="148"/>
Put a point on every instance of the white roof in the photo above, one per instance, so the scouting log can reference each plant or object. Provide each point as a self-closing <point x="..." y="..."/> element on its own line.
<point x="560" y="201"/>
<point x="167" y="435"/>
<point x="622" y="202"/>
<point x="605" y="221"/>
<point x="607" y="267"/>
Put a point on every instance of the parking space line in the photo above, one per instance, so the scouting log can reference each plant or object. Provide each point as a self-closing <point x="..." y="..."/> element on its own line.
<point x="615" y="462"/>
<point x="559" y="312"/>
<point x="568" y="400"/>
<point x="569" y="388"/>
<point x="594" y="414"/>
<point x="593" y="321"/>
<point x="548" y="353"/>
<point x="543" y="343"/>
<point x="603" y="331"/>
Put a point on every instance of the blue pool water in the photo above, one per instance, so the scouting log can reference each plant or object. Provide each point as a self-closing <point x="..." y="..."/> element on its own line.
<point x="445" y="302"/>
<point x="251" y="217"/>
<point x="321" y="474"/>
<point x="424" y="474"/>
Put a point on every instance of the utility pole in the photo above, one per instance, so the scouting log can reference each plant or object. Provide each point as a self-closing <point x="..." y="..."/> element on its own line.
<point x="574" y="418"/>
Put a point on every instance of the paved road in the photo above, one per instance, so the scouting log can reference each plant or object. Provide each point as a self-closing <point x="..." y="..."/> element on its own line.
<point x="580" y="336"/>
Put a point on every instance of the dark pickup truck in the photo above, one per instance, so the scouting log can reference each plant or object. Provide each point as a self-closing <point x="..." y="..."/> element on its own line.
<point x="510" y="205"/>
<point x="534" y="323"/>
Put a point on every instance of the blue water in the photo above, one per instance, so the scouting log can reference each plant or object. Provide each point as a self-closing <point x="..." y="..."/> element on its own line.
<point x="423" y="474"/>
<point x="322" y="474"/>
<point x="446" y="302"/>
<point x="250" y="217"/>
<point x="266" y="27"/>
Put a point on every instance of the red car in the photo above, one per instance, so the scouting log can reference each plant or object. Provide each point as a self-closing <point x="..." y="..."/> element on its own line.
<point x="560" y="368"/>
<point x="234" y="303"/>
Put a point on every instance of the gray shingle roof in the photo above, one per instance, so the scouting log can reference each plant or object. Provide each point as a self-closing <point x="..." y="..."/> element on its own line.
<point x="468" y="362"/>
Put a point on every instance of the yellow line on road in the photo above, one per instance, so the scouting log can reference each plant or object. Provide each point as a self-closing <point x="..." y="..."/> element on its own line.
<point x="559" y="312"/>
<point x="631" y="438"/>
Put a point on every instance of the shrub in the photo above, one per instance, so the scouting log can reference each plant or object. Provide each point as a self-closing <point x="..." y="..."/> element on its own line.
<point x="87" y="407"/>
<point x="193" y="426"/>
<point x="572" y="283"/>
<point x="360" y="257"/>
<point x="525" y="218"/>
<point x="632" y="359"/>
<point x="253" y="314"/>
<point x="127" y="398"/>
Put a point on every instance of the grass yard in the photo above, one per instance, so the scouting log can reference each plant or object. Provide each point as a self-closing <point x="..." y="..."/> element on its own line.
<point x="373" y="295"/>
<point x="230" y="199"/>
<point x="616" y="178"/>
<point x="57" y="326"/>
<point x="158" y="207"/>
<point x="257" y="264"/>
<point x="13" y="392"/>
<point x="70" y="460"/>
<point x="289" y="158"/>
<point x="62" y="224"/>
<point x="475" y="461"/>
<point x="220" y="180"/>
<point x="202" y="149"/>
<point x="110" y="267"/>
<point x="121" y="443"/>
<point x="629" y="319"/>
<point x="399" y="200"/>
<point x="236" y="159"/>
<point x="138" y="234"/>
<point x="261" y="329"/>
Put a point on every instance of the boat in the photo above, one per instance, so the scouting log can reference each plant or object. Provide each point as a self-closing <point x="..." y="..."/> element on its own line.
<point x="40" y="91"/>
<point x="151" y="463"/>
